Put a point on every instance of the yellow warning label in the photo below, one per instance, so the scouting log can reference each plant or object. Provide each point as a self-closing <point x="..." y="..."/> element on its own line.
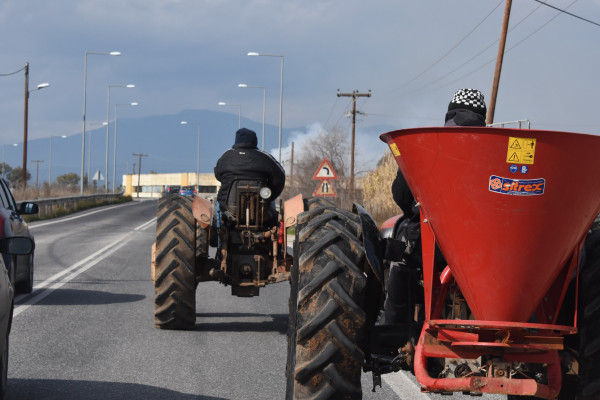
<point x="520" y="150"/>
<point x="394" y="149"/>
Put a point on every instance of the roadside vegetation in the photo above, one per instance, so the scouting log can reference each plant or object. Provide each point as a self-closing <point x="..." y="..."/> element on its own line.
<point x="66" y="185"/>
<point x="372" y="189"/>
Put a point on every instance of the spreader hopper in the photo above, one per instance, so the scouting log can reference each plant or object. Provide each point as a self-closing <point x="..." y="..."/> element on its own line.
<point x="508" y="207"/>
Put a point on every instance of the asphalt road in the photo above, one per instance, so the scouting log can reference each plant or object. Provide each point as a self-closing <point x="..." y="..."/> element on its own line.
<point x="86" y="331"/>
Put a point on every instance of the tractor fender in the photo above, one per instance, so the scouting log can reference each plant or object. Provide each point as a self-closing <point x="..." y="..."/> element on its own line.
<point x="371" y="242"/>
<point x="202" y="210"/>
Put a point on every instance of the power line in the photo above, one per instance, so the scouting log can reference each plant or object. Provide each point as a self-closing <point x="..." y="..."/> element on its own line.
<point x="452" y="48"/>
<point x="475" y="56"/>
<point x="568" y="13"/>
<point x="13" y="73"/>
<point x="489" y="61"/>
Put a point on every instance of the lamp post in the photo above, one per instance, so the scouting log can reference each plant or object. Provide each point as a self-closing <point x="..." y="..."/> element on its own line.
<point x="90" y="149"/>
<point x="115" y="143"/>
<point x="107" y="124"/>
<point x="222" y="103"/>
<point x="112" y="53"/>
<point x="26" y="118"/>
<point x="243" y="85"/>
<point x="3" y="158"/>
<point x="280" y="93"/>
<point x="50" y="163"/>
<point x="198" y="160"/>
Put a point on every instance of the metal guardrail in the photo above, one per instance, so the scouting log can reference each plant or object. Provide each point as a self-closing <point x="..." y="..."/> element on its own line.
<point x="50" y="206"/>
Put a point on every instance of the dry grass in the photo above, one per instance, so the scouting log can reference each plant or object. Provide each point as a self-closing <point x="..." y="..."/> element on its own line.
<point x="377" y="190"/>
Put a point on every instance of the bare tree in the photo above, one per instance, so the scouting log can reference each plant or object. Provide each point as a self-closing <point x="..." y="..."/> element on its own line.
<point x="334" y="146"/>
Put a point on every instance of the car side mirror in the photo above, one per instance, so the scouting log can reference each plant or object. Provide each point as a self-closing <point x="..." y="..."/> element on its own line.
<point x="17" y="245"/>
<point x="27" y="208"/>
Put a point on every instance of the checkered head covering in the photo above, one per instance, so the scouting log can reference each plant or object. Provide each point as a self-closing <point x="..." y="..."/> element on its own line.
<point x="471" y="99"/>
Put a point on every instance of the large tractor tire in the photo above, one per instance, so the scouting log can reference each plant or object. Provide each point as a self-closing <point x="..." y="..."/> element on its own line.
<point x="589" y="320"/>
<point x="313" y="203"/>
<point x="175" y="276"/>
<point x="327" y="317"/>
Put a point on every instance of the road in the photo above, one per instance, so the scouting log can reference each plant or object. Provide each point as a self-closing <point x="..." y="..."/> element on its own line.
<point x="86" y="331"/>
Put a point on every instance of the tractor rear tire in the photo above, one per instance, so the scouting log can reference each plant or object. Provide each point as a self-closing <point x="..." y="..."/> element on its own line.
<point x="589" y="320"/>
<point x="313" y="203"/>
<point x="175" y="282"/>
<point x="327" y="317"/>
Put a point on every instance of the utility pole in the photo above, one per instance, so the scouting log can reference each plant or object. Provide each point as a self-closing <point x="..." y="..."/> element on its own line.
<point x="354" y="95"/>
<point x="492" y="106"/>
<point x="292" y="167"/>
<point x="37" y="168"/>
<point x="25" y="118"/>
<point x="139" y="155"/>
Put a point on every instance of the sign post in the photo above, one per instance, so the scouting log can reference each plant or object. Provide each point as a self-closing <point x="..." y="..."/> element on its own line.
<point x="325" y="175"/>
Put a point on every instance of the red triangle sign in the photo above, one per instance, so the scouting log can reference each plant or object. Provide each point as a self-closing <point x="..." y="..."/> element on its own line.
<point x="325" y="171"/>
<point x="325" y="189"/>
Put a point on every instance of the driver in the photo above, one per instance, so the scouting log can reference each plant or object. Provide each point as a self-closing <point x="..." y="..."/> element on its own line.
<point x="245" y="161"/>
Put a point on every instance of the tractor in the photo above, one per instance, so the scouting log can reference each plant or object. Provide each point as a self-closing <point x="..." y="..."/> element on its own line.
<point x="500" y="292"/>
<point x="248" y="237"/>
<point x="250" y="240"/>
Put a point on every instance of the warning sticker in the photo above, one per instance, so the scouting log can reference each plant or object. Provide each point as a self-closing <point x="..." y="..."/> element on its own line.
<point x="517" y="187"/>
<point x="394" y="149"/>
<point x="520" y="150"/>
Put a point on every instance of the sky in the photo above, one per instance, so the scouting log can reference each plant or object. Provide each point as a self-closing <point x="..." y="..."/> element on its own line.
<point x="192" y="54"/>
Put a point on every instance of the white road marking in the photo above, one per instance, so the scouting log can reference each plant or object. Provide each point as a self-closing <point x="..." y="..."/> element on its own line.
<point x="403" y="385"/>
<point x="56" y="281"/>
<point x="36" y="225"/>
<point x="145" y="225"/>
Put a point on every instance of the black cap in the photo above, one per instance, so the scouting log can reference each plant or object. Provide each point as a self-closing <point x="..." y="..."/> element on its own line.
<point x="246" y="136"/>
<point x="470" y="99"/>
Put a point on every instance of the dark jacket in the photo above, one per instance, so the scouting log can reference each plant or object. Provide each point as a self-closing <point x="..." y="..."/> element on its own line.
<point x="464" y="117"/>
<point x="400" y="191"/>
<point x="246" y="161"/>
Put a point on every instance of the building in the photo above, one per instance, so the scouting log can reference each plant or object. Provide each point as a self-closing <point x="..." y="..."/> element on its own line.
<point x="154" y="185"/>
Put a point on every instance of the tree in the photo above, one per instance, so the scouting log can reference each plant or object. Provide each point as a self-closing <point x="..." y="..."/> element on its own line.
<point x="332" y="145"/>
<point x="70" y="179"/>
<point x="5" y="169"/>
<point x="16" y="176"/>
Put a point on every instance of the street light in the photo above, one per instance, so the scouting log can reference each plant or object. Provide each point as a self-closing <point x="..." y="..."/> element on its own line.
<point x="3" y="158"/>
<point x="115" y="143"/>
<point x="280" y="93"/>
<point x="112" y="53"/>
<point x="198" y="161"/>
<point x="243" y="85"/>
<point x="90" y="148"/>
<point x="222" y="103"/>
<point x="26" y="118"/>
<point x="50" y="164"/>
<point x="107" y="124"/>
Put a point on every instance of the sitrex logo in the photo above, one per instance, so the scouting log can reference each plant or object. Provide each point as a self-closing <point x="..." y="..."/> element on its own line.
<point x="517" y="187"/>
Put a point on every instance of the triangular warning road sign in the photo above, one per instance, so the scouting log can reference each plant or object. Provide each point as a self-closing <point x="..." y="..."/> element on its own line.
<point x="325" y="189"/>
<point x="98" y="176"/>
<point x="325" y="171"/>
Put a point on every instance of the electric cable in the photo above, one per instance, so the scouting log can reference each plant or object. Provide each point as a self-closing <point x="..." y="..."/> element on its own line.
<point x="13" y="73"/>
<point x="449" y="51"/>
<point x="568" y="13"/>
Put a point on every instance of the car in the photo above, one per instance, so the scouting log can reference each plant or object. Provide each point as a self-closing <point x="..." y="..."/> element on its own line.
<point x="20" y="267"/>
<point x="173" y="189"/>
<point x="187" y="191"/>
<point x="16" y="247"/>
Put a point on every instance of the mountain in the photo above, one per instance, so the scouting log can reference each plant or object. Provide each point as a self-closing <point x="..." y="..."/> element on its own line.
<point x="167" y="145"/>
